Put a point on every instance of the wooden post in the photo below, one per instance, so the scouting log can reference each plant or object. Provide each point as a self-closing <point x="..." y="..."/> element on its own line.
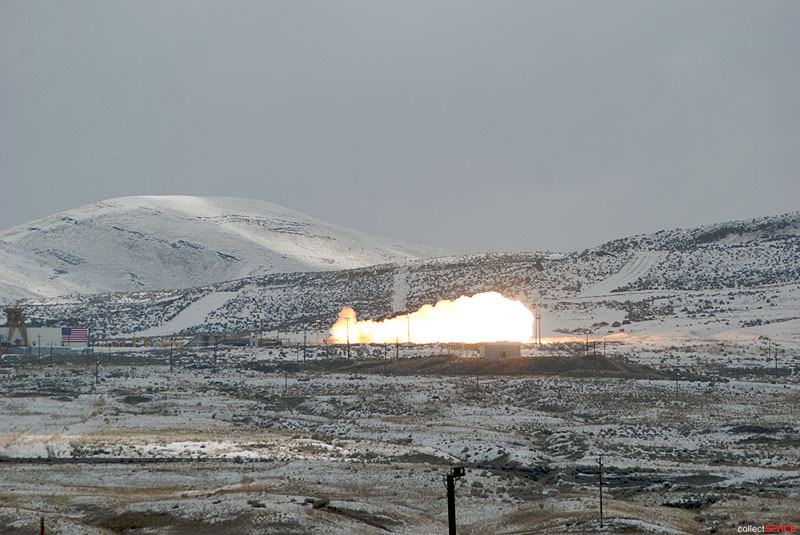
<point x="676" y="381"/>
<point x="451" y="504"/>
<point x="600" y="462"/>
<point x="455" y="473"/>
<point x="776" y="363"/>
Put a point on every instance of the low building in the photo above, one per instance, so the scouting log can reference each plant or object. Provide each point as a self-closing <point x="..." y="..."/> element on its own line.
<point x="494" y="350"/>
<point x="58" y="338"/>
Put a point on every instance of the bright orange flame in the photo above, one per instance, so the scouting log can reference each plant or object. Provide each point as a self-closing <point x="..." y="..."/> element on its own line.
<point x="484" y="317"/>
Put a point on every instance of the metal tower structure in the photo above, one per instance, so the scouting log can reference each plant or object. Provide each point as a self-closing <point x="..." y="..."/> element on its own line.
<point x="16" y="322"/>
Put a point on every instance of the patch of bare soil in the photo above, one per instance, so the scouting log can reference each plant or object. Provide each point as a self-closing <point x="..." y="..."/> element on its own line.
<point x="129" y="522"/>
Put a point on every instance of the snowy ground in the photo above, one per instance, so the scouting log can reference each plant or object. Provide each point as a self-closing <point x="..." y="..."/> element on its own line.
<point x="257" y="443"/>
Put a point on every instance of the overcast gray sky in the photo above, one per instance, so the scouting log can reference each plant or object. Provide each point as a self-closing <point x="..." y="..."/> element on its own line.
<point x="474" y="126"/>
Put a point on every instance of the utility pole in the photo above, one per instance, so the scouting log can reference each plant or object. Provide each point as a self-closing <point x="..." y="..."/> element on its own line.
<point x="600" y="462"/>
<point x="171" y="347"/>
<point x="540" y="328"/>
<point x="776" y="363"/>
<point x="397" y="348"/>
<point x="451" y="497"/>
<point x="96" y="369"/>
<point x="408" y="321"/>
<point x="319" y="322"/>
<point x="304" y="346"/>
<point x="347" y="322"/>
<point x="39" y="345"/>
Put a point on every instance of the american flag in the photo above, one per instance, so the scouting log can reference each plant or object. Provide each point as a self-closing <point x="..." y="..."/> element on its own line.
<point x="74" y="335"/>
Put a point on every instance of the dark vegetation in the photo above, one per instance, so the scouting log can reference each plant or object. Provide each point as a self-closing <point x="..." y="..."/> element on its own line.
<point x="583" y="366"/>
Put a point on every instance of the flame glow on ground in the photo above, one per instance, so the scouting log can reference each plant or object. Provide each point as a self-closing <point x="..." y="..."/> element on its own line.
<point x="484" y="317"/>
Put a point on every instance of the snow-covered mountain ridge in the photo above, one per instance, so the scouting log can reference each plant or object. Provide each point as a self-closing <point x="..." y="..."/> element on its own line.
<point x="741" y="233"/>
<point x="736" y="254"/>
<point x="166" y="242"/>
<point x="746" y="281"/>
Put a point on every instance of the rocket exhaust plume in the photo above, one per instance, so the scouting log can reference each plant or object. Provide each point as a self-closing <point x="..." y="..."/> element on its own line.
<point x="484" y="317"/>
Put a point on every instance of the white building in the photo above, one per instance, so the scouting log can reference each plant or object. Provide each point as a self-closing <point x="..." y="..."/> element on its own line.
<point x="494" y="350"/>
<point x="57" y="337"/>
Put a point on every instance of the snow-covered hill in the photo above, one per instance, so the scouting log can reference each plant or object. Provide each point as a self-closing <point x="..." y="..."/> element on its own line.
<point x="729" y="285"/>
<point x="166" y="242"/>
